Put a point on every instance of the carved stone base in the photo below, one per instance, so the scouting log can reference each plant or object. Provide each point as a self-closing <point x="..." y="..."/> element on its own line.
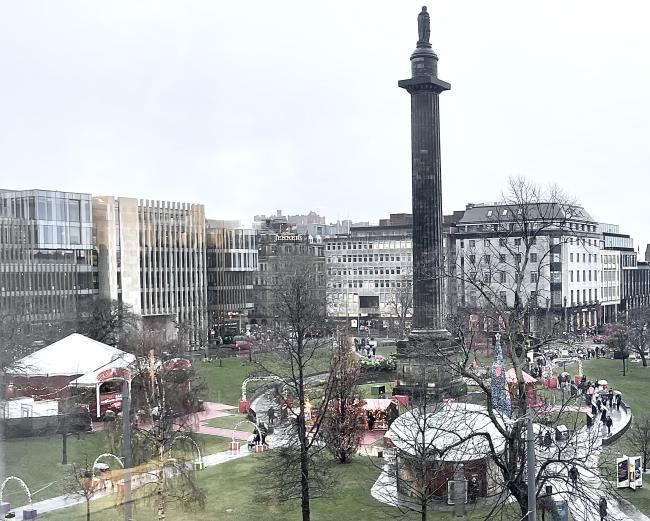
<point x="425" y="365"/>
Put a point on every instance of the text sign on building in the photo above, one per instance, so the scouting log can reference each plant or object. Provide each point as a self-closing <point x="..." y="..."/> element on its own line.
<point x="113" y="372"/>
<point x="291" y="238"/>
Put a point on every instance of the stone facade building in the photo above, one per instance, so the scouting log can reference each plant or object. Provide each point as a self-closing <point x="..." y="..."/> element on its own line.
<point x="152" y="256"/>
<point x="561" y="278"/>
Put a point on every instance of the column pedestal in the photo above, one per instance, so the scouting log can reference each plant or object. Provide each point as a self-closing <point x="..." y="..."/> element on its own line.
<point x="425" y="366"/>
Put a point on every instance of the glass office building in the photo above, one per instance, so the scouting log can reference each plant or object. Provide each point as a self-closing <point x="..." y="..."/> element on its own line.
<point x="48" y="267"/>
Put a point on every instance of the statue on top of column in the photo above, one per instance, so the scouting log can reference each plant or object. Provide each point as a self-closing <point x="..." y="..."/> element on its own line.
<point x="424" y="26"/>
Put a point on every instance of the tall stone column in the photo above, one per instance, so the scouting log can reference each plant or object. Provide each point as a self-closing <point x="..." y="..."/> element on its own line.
<point x="422" y="360"/>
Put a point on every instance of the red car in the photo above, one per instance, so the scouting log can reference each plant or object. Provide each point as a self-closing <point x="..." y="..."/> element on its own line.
<point x="599" y="339"/>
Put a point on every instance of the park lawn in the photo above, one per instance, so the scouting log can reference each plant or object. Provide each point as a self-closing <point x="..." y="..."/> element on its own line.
<point x="37" y="461"/>
<point x="226" y="422"/>
<point x="233" y="494"/>
<point x="364" y="389"/>
<point x="210" y="444"/>
<point x="223" y="384"/>
<point x="634" y="388"/>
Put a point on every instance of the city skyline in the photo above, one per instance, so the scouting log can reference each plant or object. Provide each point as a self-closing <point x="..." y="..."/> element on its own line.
<point x="159" y="104"/>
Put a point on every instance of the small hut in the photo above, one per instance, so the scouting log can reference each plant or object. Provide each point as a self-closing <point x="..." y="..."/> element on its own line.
<point x="430" y="449"/>
<point x="529" y="382"/>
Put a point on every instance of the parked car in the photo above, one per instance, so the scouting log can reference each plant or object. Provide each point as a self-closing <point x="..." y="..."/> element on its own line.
<point x="599" y="339"/>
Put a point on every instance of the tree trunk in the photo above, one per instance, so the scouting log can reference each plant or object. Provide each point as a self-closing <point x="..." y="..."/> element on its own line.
<point x="304" y="483"/>
<point x="87" y="509"/>
<point x="423" y="511"/>
<point x="644" y="362"/>
<point x="64" y="448"/>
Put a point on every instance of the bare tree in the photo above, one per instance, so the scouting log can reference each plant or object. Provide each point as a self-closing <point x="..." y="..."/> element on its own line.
<point x="165" y="393"/>
<point x="300" y="309"/>
<point x="107" y="321"/>
<point x="637" y="333"/>
<point x="400" y="307"/>
<point x="79" y="482"/>
<point x="343" y="427"/>
<point x="507" y="274"/>
<point x="640" y="439"/>
<point x="619" y="340"/>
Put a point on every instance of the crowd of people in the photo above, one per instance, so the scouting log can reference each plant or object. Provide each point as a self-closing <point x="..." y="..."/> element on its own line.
<point x="602" y="401"/>
<point x="366" y="346"/>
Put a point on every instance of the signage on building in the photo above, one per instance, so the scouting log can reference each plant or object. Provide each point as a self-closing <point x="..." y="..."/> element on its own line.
<point x="294" y="237"/>
<point x="113" y="372"/>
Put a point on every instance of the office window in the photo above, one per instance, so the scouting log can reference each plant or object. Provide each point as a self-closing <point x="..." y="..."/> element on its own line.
<point x="503" y="241"/>
<point x="572" y="297"/>
<point x="570" y="257"/>
<point x="571" y="276"/>
<point x="589" y="295"/>
<point x="502" y="296"/>
<point x="472" y="258"/>
<point x="502" y="277"/>
<point x="533" y="257"/>
<point x="472" y="243"/>
<point x="487" y="277"/>
<point x="584" y="295"/>
<point x="502" y="257"/>
<point x="517" y="242"/>
<point x="462" y="243"/>
<point x="533" y="277"/>
<point x="486" y="258"/>
<point x="486" y="242"/>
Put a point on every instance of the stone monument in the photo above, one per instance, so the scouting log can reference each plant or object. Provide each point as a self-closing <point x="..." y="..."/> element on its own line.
<point x="422" y="359"/>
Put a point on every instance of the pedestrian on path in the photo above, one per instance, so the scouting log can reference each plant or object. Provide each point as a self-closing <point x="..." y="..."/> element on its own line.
<point x="609" y="422"/>
<point x="619" y="399"/>
<point x="602" y="508"/>
<point x="271" y="415"/>
<point x="603" y="415"/>
<point x="573" y="475"/>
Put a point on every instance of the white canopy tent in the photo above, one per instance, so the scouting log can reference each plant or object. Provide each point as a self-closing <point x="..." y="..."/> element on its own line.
<point x="71" y="356"/>
<point x="79" y="355"/>
<point x="458" y="431"/>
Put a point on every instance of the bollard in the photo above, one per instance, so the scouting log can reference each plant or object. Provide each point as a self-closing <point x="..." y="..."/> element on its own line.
<point x="235" y="446"/>
<point x="29" y="513"/>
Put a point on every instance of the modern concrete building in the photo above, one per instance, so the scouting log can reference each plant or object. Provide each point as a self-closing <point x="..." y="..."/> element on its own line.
<point x="231" y="267"/>
<point x="369" y="274"/>
<point x="48" y="269"/>
<point x="617" y="250"/>
<point x="152" y="256"/>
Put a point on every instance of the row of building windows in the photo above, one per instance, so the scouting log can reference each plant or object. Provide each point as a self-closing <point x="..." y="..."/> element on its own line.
<point x="366" y="271"/>
<point x="586" y="276"/>
<point x="586" y="257"/>
<point x="369" y="284"/>
<point x="584" y="296"/>
<point x="388" y="245"/>
<point x="503" y="257"/>
<point x="368" y="258"/>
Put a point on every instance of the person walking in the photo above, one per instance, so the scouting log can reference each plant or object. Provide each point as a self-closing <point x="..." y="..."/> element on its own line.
<point x="602" y="508"/>
<point x="603" y="415"/>
<point x="609" y="422"/>
<point x="573" y="475"/>
<point x="599" y="404"/>
<point x="594" y="410"/>
<point x="271" y="415"/>
<point x="619" y="399"/>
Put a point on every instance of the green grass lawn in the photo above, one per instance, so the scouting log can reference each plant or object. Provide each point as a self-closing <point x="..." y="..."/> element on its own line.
<point x="227" y="422"/>
<point x="365" y="389"/>
<point x="634" y="387"/>
<point x="233" y="495"/>
<point x="37" y="461"/>
<point x="223" y="384"/>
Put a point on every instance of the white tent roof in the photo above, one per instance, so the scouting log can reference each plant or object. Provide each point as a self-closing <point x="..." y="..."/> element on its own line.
<point x="90" y="378"/>
<point x="458" y="430"/>
<point x="72" y="355"/>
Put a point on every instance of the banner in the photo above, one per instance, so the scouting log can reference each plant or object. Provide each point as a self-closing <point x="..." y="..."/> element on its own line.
<point x="638" y="472"/>
<point x="622" y="472"/>
<point x="629" y="472"/>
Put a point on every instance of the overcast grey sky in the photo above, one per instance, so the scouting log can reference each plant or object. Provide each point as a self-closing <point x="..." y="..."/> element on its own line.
<point x="249" y="106"/>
